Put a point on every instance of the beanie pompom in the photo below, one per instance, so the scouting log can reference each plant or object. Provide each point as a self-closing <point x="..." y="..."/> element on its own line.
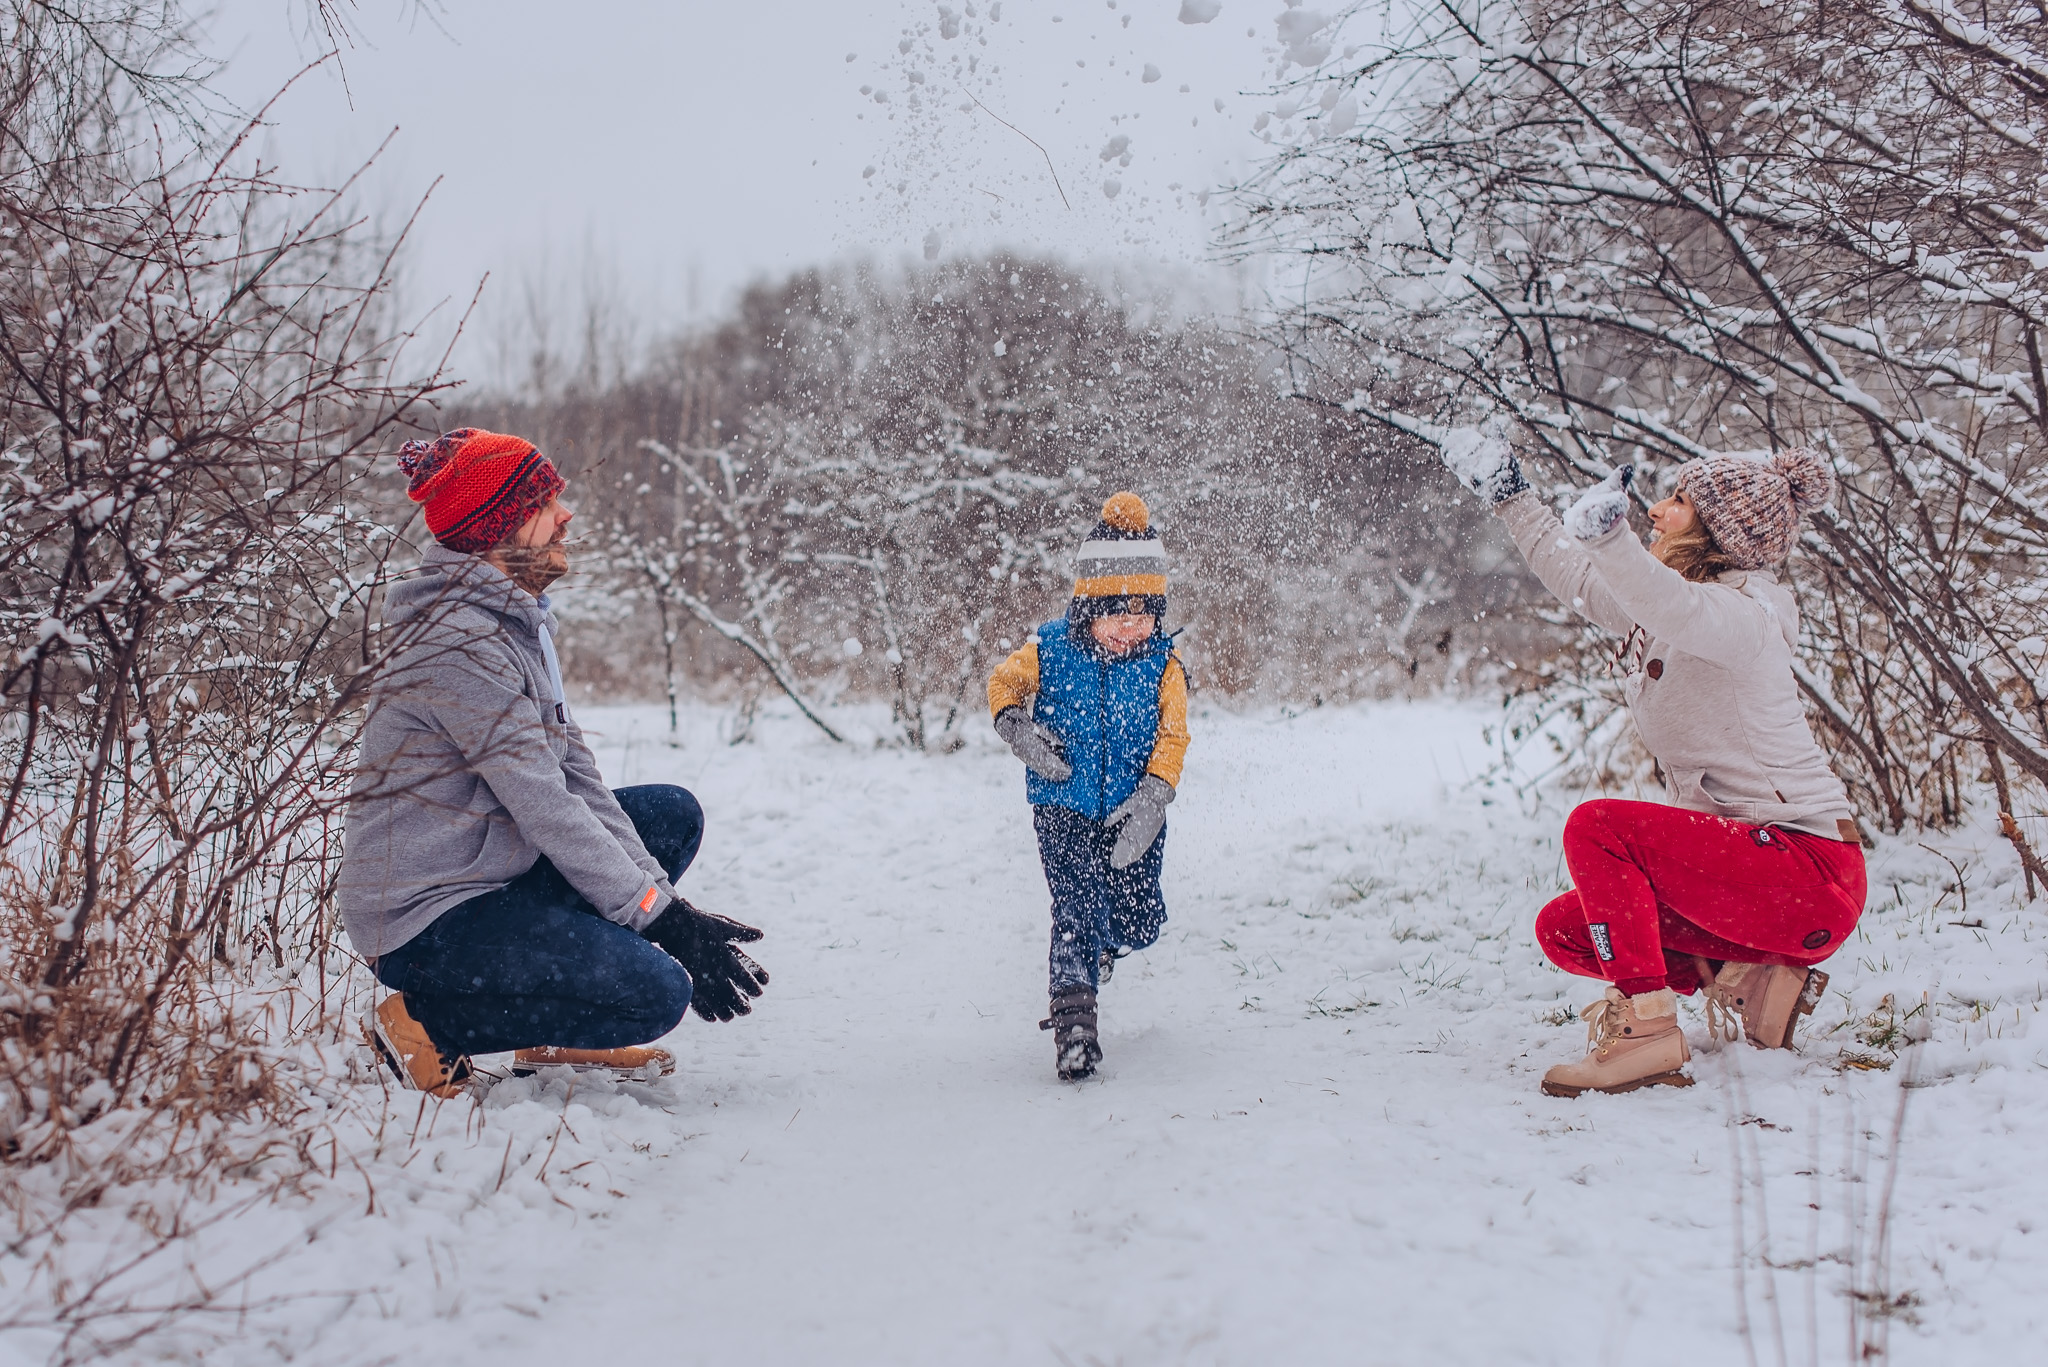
<point x="1126" y="512"/>
<point x="419" y="461"/>
<point x="1813" y="483"/>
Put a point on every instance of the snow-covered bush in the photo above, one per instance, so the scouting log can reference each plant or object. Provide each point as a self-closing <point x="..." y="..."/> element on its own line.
<point x="1651" y="232"/>
<point x="194" y="358"/>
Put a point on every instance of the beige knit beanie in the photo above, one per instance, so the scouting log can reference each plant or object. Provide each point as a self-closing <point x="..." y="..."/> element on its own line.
<point x="1753" y="506"/>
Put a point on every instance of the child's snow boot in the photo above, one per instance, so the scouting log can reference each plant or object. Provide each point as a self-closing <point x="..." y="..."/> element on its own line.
<point x="408" y="1051"/>
<point x="633" y="1063"/>
<point x="1635" y="1043"/>
<point x="1076" y="1050"/>
<point x="1769" y="998"/>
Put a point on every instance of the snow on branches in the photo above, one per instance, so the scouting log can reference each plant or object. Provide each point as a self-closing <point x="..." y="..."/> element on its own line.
<point x="195" y="362"/>
<point x="1650" y="232"/>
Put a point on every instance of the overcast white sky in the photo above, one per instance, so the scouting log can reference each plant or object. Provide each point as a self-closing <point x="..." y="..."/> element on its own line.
<point x="686" y="147"/>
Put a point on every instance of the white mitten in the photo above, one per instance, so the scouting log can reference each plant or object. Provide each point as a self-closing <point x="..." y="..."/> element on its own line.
<point x="1601" y="507"/>
<point x="1483" y="462"/>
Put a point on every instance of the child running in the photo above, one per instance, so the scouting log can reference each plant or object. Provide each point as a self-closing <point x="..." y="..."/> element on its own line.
<point x="1102" y="742"/>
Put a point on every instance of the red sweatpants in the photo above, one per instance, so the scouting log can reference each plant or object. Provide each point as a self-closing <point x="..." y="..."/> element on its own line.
<point x="1654" y="885"/>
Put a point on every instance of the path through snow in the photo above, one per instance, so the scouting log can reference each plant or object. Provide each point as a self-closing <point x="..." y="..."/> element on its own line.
<point x="1316" y="1137"/>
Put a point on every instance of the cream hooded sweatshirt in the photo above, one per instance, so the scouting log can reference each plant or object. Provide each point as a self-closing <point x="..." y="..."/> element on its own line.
<point x="1711" y="687"/>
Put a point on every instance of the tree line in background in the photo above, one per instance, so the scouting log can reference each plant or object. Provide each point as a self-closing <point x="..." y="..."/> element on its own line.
<point x="1648" y="232"/>
<point x="871" y="484"/>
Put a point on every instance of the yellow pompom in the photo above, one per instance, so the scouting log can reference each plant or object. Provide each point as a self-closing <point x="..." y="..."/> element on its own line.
<point x="1126" y="512"/>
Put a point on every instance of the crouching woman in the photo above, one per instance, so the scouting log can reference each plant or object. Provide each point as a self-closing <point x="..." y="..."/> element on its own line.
<point x="1751" y="873"/>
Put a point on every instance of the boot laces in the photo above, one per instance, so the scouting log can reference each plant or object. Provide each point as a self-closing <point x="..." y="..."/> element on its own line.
<point x="1603" y="1021"/>
<point x="1721" y="1016"/>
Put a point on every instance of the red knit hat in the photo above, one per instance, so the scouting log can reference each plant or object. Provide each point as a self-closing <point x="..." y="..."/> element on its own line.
<point x="478" y="487"/>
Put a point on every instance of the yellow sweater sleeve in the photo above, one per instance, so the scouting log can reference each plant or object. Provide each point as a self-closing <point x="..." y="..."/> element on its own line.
<point x="1014" y="680"/>
<point x="1172" y="746"/>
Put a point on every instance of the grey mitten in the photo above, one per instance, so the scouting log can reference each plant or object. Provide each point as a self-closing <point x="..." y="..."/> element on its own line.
<point x="1483" y="462"/>
<point x="1601" y="508"/>
<point x="1037" y="746"/>
<point x="1141" y="814"/>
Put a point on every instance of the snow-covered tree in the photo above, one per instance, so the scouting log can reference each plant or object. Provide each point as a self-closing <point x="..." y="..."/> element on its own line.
<point x="194" y="359"/>
<point x="906" y="462"/>
<point x="1651" y="232"/>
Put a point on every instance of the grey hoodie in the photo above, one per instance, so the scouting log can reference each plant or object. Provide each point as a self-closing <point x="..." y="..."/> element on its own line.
<point x="1711" y="685"/>
<point x="472" y="768"/>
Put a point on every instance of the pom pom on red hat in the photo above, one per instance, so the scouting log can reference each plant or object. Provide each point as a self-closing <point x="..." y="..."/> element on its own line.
<point x="478" y="487"/>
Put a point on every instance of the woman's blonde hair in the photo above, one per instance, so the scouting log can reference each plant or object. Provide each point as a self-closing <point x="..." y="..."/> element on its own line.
<point x="1693" y="552"/>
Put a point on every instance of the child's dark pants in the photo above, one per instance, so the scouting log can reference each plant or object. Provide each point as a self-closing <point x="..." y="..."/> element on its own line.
<point x="535" y="964"/>
<point x="1094" y="907"/>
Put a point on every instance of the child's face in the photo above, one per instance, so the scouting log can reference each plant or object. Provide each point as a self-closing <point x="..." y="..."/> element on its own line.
<point x="1124" y="633"/>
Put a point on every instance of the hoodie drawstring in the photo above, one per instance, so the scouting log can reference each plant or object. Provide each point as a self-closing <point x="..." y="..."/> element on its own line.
<point x="554" y="663"/>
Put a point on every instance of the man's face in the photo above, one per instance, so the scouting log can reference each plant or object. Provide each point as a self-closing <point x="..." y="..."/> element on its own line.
<point x="1123" y="633"/>
<point x="537" y="554"/>
<point x="547" y="531"/>
<point x="548" y="527"/>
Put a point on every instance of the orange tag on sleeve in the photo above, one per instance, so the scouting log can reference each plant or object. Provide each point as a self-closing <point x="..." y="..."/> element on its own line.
<point x="648" y="900"/>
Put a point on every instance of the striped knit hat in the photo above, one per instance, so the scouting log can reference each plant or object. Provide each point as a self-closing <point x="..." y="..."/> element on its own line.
<point x="478" y="487"/>
<point x="1122" y="564"/>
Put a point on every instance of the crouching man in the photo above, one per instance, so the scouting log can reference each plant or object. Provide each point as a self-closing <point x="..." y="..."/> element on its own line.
<point x="509" y="899"/>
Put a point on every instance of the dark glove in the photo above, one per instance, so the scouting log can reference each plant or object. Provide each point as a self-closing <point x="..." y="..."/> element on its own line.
<point x="1141" y="814"/>
<point x="1038" y="747"/>
<point x="707" y="946"/>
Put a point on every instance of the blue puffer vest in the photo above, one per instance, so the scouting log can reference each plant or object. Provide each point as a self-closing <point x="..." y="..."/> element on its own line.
<point x="1106" y="713"/>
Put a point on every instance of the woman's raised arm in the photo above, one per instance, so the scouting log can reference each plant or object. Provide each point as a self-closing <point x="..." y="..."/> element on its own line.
<point x="1561" y="562"/>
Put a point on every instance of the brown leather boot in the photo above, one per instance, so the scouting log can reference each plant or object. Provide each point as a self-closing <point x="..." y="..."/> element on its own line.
<point x="633" y="1063"/>
<point x="1769" y="999"/>
<point x="409" y="1052"/>
<point x="1635" y="1043"/>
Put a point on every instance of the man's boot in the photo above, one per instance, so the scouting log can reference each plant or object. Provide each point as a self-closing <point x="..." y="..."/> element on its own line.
<point x="633" y="1063"/>
<point x="1769" y="998"/>
<point x="1076" y="1050"/>
<point x="409" y="1052"/>
<point x="1635" y="1043"/>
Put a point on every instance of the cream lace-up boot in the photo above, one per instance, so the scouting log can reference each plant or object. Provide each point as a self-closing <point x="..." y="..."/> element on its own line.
<point x="1635" y="1042"/>
<point x="1768" y="998"/>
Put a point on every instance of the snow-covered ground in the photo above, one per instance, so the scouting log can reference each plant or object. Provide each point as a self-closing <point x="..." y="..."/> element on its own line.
<point x="1316" y="1136"/>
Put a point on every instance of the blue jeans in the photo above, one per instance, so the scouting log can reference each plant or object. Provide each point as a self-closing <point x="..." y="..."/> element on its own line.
<point x="533" y="963"/>
<point x="1094" y="907"/>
